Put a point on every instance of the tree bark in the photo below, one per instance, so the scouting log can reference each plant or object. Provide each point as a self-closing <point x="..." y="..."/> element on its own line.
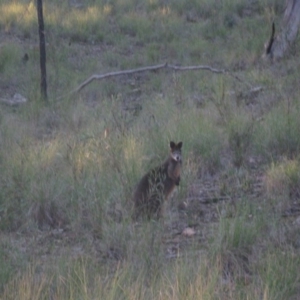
<point x="42" y="49"/>
<point x="281" y="44"/>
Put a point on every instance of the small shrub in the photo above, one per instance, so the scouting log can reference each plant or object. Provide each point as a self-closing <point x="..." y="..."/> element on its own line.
<point x="279" y="133"/>
<point x="8" y="263"/>
<point x="14" y="188"/>
<point x="9" y="55"/>
<point x="242" y="231"/>
<point x="135" y="25"/>
<point x="27" y="285"/>
<point x="235" y="240"/>
<point x="238" y="123"/>
<point x="279" y="274"/>
<point x="283" y="179"/>
<point x="203" y="9"/>
<point x="240" y="136"/>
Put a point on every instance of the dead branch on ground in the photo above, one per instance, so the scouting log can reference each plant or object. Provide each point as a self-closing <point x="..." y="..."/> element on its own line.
<point x="152" y="68"/>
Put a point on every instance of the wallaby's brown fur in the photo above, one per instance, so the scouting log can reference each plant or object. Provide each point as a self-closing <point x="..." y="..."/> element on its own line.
<point x="156" y="186"/>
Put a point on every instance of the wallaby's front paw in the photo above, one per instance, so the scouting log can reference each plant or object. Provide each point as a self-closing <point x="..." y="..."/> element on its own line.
<point x="177" y="181"/>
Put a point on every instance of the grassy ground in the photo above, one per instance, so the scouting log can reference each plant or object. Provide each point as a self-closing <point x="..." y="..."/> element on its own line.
<point x="68" y="166"/>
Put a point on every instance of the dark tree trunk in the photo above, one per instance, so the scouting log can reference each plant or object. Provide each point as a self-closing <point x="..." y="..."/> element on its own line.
<point x="278" y="46"/>
<point x="42" y="49"/>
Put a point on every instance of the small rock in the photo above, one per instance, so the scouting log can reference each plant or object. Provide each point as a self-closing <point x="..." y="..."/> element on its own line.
<point x="16" y="100"/>
<point x="188" y="231"/>
<point x="182" y="206"/>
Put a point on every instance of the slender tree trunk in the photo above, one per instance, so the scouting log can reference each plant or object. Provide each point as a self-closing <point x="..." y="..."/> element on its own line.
<point x="42" y="49"/>
<point x="278" y="46"/>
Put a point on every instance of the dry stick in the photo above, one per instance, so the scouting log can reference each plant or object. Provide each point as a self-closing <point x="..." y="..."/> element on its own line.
<point x="208" y="68"/>
<point x="150" y="68"/>
<point x="191" y="68"/>
<point x="117" y="73"/>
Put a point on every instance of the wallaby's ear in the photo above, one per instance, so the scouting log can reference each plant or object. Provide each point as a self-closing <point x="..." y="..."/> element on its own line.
<point x="179" y="145"/>
<point x="172" y="145"/>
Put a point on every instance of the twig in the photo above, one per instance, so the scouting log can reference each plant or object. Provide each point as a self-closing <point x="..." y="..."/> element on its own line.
<point x="151" y="68"/>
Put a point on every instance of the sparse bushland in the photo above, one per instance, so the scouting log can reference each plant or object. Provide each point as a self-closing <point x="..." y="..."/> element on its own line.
<point x="68" y="168"/>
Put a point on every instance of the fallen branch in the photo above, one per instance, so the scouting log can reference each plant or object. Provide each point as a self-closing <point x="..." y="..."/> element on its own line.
<point x="150" y="68"/>
<point x="117" y="73"/>
<point x="192" y="68"/>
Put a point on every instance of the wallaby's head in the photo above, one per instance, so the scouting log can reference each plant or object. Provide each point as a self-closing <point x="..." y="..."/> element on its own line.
<point x="175" y="151"/>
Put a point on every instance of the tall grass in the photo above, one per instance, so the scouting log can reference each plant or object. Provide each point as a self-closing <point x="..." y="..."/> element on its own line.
<point x="279" y="135"/>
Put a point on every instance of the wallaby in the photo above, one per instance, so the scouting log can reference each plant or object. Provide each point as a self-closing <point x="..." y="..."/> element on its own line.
<point x="156" y="186"/>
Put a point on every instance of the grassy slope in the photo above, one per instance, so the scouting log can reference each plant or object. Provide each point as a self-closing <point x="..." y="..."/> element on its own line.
<point x="68" y="167"/>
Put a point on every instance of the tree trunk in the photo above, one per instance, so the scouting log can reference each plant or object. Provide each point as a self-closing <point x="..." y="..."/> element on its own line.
<point x="42" y="49"/>
<point x="279" y="46"/>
